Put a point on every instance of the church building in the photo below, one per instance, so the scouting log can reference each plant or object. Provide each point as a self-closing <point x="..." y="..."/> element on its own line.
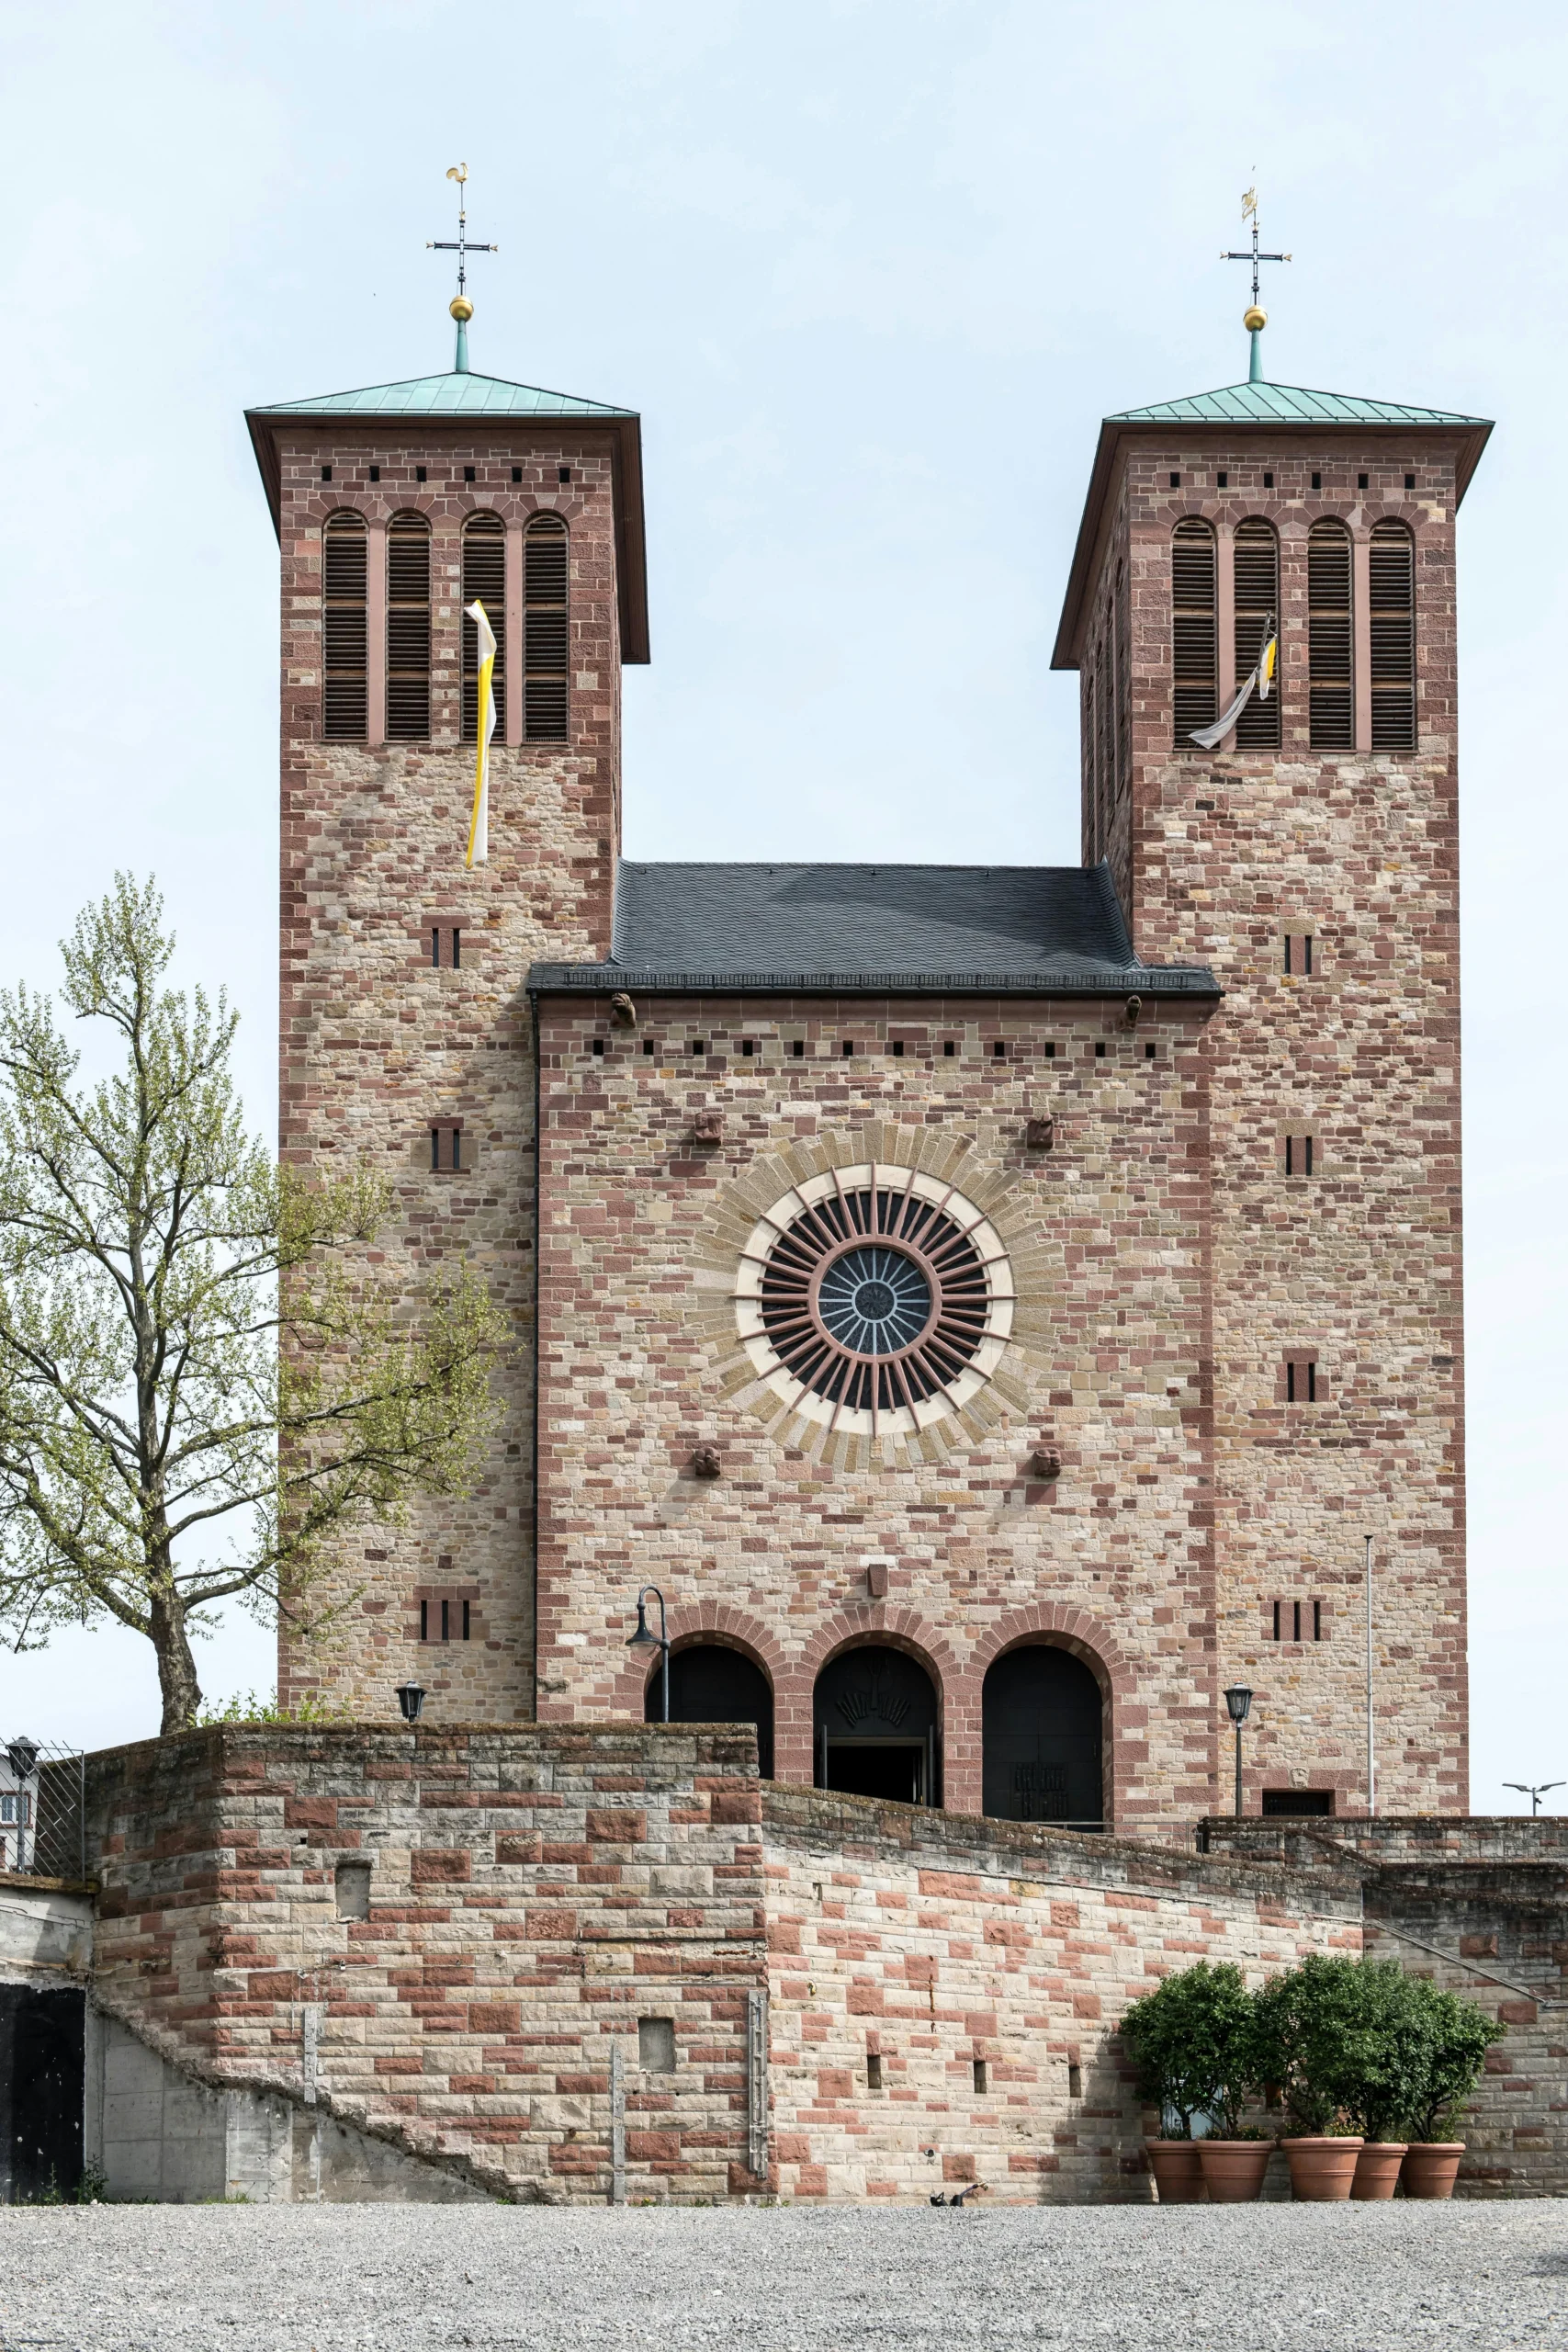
<point x="992" y="1306"/>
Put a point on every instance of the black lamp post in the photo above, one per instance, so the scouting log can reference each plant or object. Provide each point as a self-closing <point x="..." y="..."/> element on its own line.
<point x="645" y="1640"/>
<point x="22" y="1756"/>
<point x="1238" y="1699"/>
<point x="411" y="1699"/>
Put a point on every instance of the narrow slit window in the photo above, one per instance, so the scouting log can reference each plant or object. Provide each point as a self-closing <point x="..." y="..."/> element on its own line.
<point x="1317" y="1621"/>
<point x="799" y="1049"/>
<point x="981" y="2075"/>
<point x="1296" y="1620"/>
<point x="1330" y="683"/>
<point x="544" y="552"/>
<point x="1301" y="1379"/>
<point x="873" y="2071"/>
<point x="1276" y="1634"/>
<point x="1256" y="614"/>
<point x="484" y="582"/>
<point x="1298" y="954"/>
<point x="1392" y="619"/>
<point x="1194" y="589"/>
<point x="345" y="690"/>
<point x="445" y="1149"/>
<point x="408" y="628"/>
<point x="1298" y="1155"/>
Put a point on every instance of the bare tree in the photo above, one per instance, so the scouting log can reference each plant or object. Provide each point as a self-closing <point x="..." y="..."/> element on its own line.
<point x="204" y="1372"/>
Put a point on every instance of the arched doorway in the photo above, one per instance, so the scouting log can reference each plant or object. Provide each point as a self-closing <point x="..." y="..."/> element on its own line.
<point x="711" y="1684"/>
<point x="1040" y="1715"/>
<point x="875" y="1715"/>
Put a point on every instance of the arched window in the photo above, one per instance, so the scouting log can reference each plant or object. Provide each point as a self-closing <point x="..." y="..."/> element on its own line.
<point x="1257" y="606"/>
<point x="345" y="707"/>
<point x="545" y="636"/>
<point x="1040" y="1713"/>
<point x="1393" y="616"/>
<point x="1330" y="680"/>
<point x="875" y="1718"/>
<point x="1194" y="629"/>
<point x="711" y="1684"/>
<point x="484" y="577"/>
<point x="408" y="628"/>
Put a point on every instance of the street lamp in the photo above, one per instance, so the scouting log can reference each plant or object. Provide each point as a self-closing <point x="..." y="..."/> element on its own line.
<point x="644" y="1640"/>
<point x="411" y="1699"/>
<point x="1535" y="1791"/>
<point x="1238" y="1699"/>
<point x="22" y="1756"/>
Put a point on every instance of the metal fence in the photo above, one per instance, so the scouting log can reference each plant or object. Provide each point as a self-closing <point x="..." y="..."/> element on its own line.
<point x="43" y="1818"/>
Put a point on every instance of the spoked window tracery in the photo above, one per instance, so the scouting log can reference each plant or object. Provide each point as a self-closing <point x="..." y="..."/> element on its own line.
<point x="874" y="1299"/>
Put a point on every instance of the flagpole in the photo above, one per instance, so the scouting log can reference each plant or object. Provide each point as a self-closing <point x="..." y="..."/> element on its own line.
<point x="1371" y="1752"/>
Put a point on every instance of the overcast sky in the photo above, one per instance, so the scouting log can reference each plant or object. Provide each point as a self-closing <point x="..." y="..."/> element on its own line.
<point x="872" y="270"/>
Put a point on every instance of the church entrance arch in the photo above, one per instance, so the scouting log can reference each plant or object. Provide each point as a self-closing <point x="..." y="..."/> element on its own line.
<point x="874" y="1714"/>
<point x="710" y="1683"/>
<point x="1042" y="1714"/>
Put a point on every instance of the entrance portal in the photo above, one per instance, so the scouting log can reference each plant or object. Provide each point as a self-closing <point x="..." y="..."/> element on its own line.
<point x="710" y="1684"/>
<point x="875" y="1727"/>
<point x="1041" y="1712"/>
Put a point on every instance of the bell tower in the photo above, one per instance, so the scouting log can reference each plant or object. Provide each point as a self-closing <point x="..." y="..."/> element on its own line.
<point x="1306" y="849"/>
<point x="405" y="1036"/>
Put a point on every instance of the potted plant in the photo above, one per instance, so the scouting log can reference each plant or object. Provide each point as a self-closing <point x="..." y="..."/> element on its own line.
<point x="1461" y="2035"/>
<point x="1313" y="2039"/>
<point x="1193" y="2041"/>
<point x="1396" y="2042"/>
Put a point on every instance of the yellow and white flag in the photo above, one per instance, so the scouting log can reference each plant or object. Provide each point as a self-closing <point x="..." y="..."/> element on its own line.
<point x="1259" y="682"/>
<point x="479" y="824"/>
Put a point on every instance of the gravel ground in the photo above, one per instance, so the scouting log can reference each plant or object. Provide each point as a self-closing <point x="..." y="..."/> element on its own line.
<point x="322" y="2278"/>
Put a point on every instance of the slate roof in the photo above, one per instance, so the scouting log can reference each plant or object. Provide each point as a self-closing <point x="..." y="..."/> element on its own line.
<point x="872" y="929"/>
<point x="1265" y="403"/>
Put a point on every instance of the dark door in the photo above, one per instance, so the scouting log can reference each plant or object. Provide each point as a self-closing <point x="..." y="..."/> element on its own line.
<point x="45" y="2030"/>
<point x="710" y="1684"/>
<point x="1041" y="1711"/>
<point x="875" y="1726"/>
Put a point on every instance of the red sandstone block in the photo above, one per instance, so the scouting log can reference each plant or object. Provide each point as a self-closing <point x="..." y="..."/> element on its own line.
<point x="310" y="1813"/>
<point x="737" y="1804"/>
<point x="653" y="2147"/>
<point x="513" y="1851"/>
<point x="435" y="1865"/>
<point x="958" y="2167"/>
<point x="494" y="2016"/>
<point x="617" y="1827"/>
<point x="811" y="2180"/>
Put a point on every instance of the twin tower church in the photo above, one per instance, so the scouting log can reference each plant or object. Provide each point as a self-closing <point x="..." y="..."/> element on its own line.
<point x="994" y="1306"/>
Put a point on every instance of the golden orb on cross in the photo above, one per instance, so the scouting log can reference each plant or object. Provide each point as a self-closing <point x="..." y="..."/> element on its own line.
<point x="462" y="310"/>
<point x="1254" y="320"/>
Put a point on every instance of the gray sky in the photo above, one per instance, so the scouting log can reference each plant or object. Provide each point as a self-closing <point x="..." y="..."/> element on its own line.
<point x="872" y="270"/>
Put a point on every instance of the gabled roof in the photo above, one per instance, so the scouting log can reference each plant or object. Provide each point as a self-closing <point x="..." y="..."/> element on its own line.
<point x="1287" y="405"/>
<point x="459" y="398"/>
<point x="1235" y="410"/>
<point x="895" y="930"/>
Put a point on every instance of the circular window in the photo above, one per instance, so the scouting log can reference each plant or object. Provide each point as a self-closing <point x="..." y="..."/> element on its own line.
<point x="874" y="1299"/>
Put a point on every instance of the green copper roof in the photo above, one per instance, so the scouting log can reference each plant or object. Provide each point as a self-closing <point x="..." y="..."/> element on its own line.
<point x="446" y="395"/>
<point x="1285" y="404"/>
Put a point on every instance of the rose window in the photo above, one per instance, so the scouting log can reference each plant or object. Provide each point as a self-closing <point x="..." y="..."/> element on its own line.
<point x="874" y="1299"/>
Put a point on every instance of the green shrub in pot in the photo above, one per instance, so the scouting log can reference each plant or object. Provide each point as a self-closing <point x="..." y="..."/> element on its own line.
<point x="1315" y="2041"/>
<point x="1194" y="2040"/>
<point x="1460" y="2033"/>
<point x="1395" y="2024"/>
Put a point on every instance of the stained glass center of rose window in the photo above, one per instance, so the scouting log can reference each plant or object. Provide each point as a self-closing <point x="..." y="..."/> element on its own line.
<point x="875" y="1301"/>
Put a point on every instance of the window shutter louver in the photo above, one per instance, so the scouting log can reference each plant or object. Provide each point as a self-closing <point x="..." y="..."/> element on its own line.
<point x="484" y="577"/>
<point x="1256" y="603"/>
<point x="1392" y="619"/>
<point x="1194" y="629"/>
<point x="1330" y="686"/>
<point x="545" y="613"/>
<point x="408" y="628"/>
<point x="344" y="557"/>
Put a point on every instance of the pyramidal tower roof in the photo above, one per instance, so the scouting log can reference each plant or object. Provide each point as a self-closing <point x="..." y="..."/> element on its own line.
<point x="455" y="394"/>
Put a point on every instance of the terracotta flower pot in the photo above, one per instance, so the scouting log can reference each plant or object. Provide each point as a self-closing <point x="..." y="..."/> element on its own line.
<point x="1321" y="2169"/>
<point x="1377" y="2170"/>
<point x="1179" y="2175"/>
<point x="1430" y="2165"/>
<point x="1234" y="2169"/>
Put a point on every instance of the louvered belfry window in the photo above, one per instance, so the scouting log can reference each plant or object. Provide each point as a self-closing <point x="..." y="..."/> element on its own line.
<point x="484" y="577"/>
<point x="408" y="628"/>
<point x="1194" y="628"/>
<point x="1330" y="686"/>
<point x="344" y="706"/>
<point x="1257" y="614"/>
<point x="545" y="642"/>
<point x="1393" y="616"/>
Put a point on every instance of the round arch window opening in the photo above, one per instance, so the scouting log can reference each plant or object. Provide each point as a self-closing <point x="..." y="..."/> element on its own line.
<point x="875" y="1298"/>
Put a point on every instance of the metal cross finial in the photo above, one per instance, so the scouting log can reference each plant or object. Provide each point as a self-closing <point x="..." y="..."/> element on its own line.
<point x="1255" y="317"/>
<point x="462" y="309"/>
